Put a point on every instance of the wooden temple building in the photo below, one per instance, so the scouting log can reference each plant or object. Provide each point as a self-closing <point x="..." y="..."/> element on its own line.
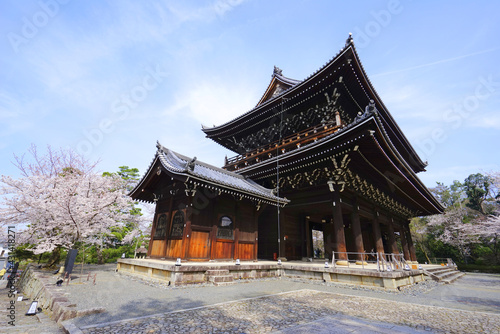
<point x="319" y="154"/>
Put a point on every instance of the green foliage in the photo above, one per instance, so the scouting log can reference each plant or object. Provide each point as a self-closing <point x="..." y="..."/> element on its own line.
<point x="479" y="268"/>
<point x="467" y="230"/>
<point x="450" y="196"/>
<point x="130" y="175"/>
<point x="477" y="188"/>
<point x="109" y="255"/>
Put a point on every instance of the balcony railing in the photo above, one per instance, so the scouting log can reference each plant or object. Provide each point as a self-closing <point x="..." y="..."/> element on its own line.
<point x="280" y="147"/>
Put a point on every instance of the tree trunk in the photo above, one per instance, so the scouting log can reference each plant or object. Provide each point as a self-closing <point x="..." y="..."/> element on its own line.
<point x="423" y="251"/>
<point x="100" y="258"/>
<point x="55" y="257"/>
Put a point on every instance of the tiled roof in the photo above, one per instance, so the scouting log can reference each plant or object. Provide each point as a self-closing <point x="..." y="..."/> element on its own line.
<point x="218" y="177"/>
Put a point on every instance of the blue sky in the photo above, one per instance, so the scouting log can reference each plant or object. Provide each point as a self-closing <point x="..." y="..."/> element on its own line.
<point x="109" y="79"/>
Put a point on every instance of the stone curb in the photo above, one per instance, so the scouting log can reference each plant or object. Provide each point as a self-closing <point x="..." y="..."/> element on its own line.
<point x="70" y="327"/>
<point x="34" y="285"/>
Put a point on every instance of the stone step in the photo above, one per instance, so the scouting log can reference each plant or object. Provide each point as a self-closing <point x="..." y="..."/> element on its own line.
<point x="223" y="283"/>
<point x="220" y="279"/>
<point x="453" y="278"/>
<point x="440" y="270"/>
<point x="444" y="275"/>
<point x="217" y="272"/>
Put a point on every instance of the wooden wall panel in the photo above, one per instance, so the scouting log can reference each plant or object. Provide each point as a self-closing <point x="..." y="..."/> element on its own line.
<point x="246" y="251"/>
<point x="247" y="236"/>
<point x="174" y="248"/>
<point x="224" y="250"/>
<point x="199" y="245"/>
<point x="158" y="248"/>
<point x="245" y="219"/>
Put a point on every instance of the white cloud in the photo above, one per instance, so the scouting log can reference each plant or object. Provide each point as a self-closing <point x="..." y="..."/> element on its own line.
<point x="213" y="103"/>
<point x="187" y="13"/>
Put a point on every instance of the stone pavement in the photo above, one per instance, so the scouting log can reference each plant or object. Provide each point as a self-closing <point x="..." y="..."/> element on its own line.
<point x="133" y="305"/>
<point x="35" y="324"/>
<point x="284" y="312"/>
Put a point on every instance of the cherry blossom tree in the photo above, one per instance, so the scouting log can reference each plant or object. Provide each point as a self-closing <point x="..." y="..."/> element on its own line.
<point x="60" y="200"/>
<point x="455" y="231"/>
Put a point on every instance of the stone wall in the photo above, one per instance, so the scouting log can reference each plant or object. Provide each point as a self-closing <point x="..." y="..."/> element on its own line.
<point x="40" y="285"/>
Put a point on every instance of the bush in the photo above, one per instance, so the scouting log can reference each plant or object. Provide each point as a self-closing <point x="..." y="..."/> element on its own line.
<point x="479" y="268"/>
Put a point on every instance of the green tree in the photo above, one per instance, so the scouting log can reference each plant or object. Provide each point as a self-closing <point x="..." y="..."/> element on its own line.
<point x="477" y="189"/>
<point x="129" y="231"/>
<point x="450" y="196"/>
<point x="129" y="175"/>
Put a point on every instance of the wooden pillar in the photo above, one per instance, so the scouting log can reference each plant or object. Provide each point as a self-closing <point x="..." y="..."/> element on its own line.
<point x="153" y="228"/>
<point x="404" y="243"/>
<point x="281" y="234"/>
<point x="377" y="235"/>
<point x="338" y="227"/>
<point x="167" y="234"/>
<point x="236" y="244"/>
<point x="186" y="236"/>
<point x="308" y="238"/>
<point x="357" y="234"/>
<point x="236" y="231"/>
<point x="393" y="246"/>
<point x="411" y="247"/>
<point x="328" y="239"/>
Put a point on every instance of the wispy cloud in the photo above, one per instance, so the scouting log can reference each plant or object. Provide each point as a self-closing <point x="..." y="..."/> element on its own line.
<point x="442" y="61"/>
<point x="213" y="102"/>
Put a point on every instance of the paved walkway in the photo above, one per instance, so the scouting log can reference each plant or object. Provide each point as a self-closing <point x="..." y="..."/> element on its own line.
<point x="470" y="305"/>
<point x="299" y="311"/>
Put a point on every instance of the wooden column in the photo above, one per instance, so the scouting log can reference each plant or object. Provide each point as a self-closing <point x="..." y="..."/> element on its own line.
<point x="357" y="234"/>
<point x="411" y="247"/>
<point x="215" y="226"/>
<point x="167" y="234"/>
<point x="404" y="243"/>
<point x="236" y="236"/>
<point x="338" y="227"/>
<point x="153" y="228"/>
<point x="393" y="246"/>
<point x="377" y="236"/>
<point x="281" y="234"/>
<point x="308" y="238"/>
<point x="186" y="236"/>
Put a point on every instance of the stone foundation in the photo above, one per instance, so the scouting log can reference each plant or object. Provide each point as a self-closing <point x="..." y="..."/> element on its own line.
<point x="192" y="273"/>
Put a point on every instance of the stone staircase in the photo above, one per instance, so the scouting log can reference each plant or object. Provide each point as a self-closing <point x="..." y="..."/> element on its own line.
<point x="444" y="274"/>
<point x="219" y="276"/>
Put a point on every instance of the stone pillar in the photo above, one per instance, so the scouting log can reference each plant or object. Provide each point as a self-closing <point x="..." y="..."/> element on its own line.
<point x="357" y="234"/>
<point x="338" y="228"/>
<point x="377" y="236"/>
<point x="393" y="246"/>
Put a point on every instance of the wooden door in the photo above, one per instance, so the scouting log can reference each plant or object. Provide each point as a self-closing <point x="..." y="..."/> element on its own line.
<point x="246" y="251"/>
<point x="199" y="245"/>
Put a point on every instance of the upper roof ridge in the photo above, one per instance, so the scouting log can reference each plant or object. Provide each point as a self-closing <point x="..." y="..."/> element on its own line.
<point x="277" y="73"/>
